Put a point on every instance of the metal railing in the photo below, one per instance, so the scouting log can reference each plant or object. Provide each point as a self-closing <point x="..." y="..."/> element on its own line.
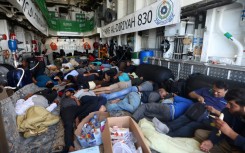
<point x="182" y="69"/>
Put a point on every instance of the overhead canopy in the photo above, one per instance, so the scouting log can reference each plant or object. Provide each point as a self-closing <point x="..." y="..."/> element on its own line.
<point x="58" y="24"/>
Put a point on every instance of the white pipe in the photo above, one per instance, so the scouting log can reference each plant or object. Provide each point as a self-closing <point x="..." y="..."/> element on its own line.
<point x="35" y="66"/>
<point x="234" y="40"/>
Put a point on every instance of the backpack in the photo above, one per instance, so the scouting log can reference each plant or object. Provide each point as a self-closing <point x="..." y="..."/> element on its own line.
<point x="197" y="112"/>
<point x="177" y="87"/>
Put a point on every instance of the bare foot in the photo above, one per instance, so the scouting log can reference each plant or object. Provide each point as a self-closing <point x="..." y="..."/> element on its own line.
<point x="115" y="101"/>
<point x="71" y="148"/>
<point x="102" y="108"/>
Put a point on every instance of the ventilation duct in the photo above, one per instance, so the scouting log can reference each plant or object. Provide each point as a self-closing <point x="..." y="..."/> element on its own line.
<point x="110" y="15"/>
<point x="200" y="7"/>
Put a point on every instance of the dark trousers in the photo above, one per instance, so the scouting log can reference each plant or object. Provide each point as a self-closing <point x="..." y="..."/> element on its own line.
<point x="68" y="115"/>
<point x="90" y="104"/>
<point x="185" y="127"/>
<point x="150" y="110"/>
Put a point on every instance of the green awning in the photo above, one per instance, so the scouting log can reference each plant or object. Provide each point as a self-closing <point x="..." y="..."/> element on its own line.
<point x="56" y="24"/>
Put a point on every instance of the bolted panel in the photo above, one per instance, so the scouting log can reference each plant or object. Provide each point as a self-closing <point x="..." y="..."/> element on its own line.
<point x="185" y="70"/>
<point x="164" y="63"/>
<point x="200" y="69"/>
<point x="174" y="68"/>
<point x="218" y="72"/>
<point x="237" y="76"/>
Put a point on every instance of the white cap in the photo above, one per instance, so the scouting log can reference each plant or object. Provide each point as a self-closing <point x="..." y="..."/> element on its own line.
<point x="92" y="85"/>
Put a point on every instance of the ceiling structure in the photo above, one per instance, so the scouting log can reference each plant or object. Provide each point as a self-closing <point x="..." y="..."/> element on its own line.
<point x="85" y="5"/>
<point x="16" y="17"/>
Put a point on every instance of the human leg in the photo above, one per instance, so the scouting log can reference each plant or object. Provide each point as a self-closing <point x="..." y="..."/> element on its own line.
<point x="146" y="86"/>
<point x="119" y="93"/>
<point x="150" y="110"/>
<point x="159" y="126"/>
<point x="119" y="86"/>
<point x="131" y="102"/>
<point x="90" y="104"/>
<point x="178" y="123"/>
<point x="101" y="89"/>
<point x="187" y="130"/>
<point x="68" y="116"/>
<point x="113" y="107"/>
<point x="201" y="135"/>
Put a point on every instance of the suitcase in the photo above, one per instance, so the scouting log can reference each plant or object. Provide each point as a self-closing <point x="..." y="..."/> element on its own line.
<point x="13" y="77"/>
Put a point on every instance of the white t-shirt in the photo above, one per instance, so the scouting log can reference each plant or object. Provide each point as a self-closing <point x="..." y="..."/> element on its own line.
<point x="69" y="65"/>
<point x="73" y="73"/>
<point x="79" y="94"/>
<point x="22" y="105"/>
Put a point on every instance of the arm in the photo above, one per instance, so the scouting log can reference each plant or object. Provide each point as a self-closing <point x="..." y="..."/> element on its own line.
<point x="212" y="110"/>
<point x="58" y="79"/>
<point x="76" y="100"/>
<point x="51" y="107"/>
<point x="88" y="74"/>
<point x="229" y="132"/>
<point x="196" y="96"/>
<point x="118" y="74"/>
<point x="34" y="80"/>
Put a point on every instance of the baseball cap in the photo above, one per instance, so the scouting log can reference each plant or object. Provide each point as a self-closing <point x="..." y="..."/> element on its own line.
<point x="71" y="90"/>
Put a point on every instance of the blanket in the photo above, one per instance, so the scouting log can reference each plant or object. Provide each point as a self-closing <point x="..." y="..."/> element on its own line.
<point x="35" y="121"/>
<point x="166" y="144"/>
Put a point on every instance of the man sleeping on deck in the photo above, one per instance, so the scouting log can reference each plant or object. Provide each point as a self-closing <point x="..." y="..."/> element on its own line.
<point x="33" y="112"/>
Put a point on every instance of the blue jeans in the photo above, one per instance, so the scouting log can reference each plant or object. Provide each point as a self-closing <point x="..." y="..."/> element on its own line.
<point x="106" y="65"/>
<point x="130" y="103"/>
<point x="185" y="127"/>
<point x="120" y="94"/>
<point x="146" y="86"/>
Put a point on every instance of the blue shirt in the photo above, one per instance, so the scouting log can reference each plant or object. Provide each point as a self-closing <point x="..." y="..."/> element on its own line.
<point x="43" y="79"/>
<point x="210" y="100"/>
<point x="180" y="105"/>
<point x="123" y="77"/>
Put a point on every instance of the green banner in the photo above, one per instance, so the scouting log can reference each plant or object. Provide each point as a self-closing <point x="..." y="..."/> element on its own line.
<point x="56" y="24"/>
<point x="52" y="14"/>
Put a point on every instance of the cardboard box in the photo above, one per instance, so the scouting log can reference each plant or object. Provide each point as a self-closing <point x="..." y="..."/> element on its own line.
<point x="123" y="122"/>
<point x="101" y="116"/>
<point x="94" y="149"/>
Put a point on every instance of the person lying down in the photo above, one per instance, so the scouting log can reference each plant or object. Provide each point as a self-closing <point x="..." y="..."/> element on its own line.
<point x="44" y="98"/>
<point x="32" y="117"/>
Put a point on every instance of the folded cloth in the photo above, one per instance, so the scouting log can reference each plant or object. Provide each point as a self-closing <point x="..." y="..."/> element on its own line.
<point x="35" y="121"/>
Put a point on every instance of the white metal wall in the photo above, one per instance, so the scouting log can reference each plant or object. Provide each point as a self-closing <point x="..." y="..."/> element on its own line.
<point x="215" y="43"/>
